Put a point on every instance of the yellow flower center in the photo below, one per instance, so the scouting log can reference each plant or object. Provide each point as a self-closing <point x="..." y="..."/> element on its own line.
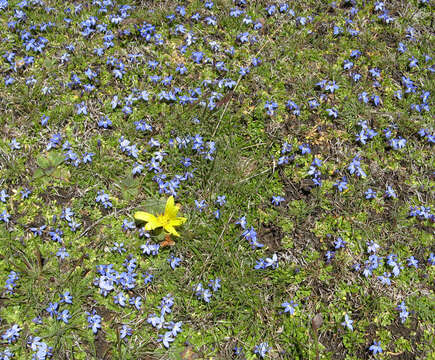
<point x="163" y="220"/>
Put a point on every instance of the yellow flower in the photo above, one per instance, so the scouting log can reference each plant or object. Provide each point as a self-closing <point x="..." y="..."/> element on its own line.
<point x="168" y="220"/>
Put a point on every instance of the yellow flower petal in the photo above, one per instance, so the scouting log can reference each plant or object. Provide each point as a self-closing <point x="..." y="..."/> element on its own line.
<point x="178" y="221"/>
<point x="168" y="220"/>
<point x="170" y="229"/>
<point x="151" y="226"/>
<point x="144" y="216"/>
<point x="171" y="209"/>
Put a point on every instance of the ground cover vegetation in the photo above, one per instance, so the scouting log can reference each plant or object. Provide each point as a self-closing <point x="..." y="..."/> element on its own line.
<point x="216" y="179"/>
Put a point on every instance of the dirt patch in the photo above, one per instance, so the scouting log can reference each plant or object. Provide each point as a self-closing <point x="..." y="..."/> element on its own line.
<point x="102" y="346"/>
<point x="61" y="196"/>
<point x="410" y="332"/>
<point x="87" y="224"/>
<point x="295" y="191"/>
<point x="332" y="341"/>
<point x="271" y="236"/>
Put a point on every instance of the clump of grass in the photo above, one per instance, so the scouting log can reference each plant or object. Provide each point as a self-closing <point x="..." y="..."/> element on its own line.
<point x="297" y="140"/>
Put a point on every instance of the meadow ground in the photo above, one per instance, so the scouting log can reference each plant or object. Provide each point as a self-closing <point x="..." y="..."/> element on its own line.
<point x="297" y="140"/>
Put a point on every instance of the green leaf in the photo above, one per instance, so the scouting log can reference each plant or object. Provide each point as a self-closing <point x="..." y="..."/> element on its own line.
<point x="38" y="173"/>
<point x="53" y="159"/>
<point x="129" y="187"/>
<point x="155" y="206"/>
<point x="42" y="161"/>
<point x="56" y="158"/>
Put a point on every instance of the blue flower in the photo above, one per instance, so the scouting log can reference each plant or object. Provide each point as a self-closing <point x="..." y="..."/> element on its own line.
<point x="331" y="86"/>
<point x="251" y="236"/>
<point x="372" y="247"/>
<point x="270" y="107"/>
<point x="289" y="307"/>
<point x="277" y="200"/>
<point x="66" y="298"/>
<point x="174" y="327"/>
<point x="238" y="350"/>
<point x="305" y="149"/>
<point x="6" y="354"/>
<point x="56" y="235"/>
<point x="413" y="62"/>
<point x="363" y="97"/>
<point x="12" y="334"/>
<point x="3" y="195"/>
<point x="261" y="264"/>
<point x="390" y="193"/>
<point x="313" y="103"/>
<point x="243" y="71"/>
<point x="119" y="247"/>
<point x="376" y="100"/>
<point x="332" y="112"/>
<point x="128" y="225"/>
<point x="262" y="349"/>
<point x="398" y="143"/>
<point x="155" y="321"/>
<point x="355" y="167"/>
<point x="221" y="200"/>
<point x="4" y="216"/>
<point x="103" y="198"/>
<point x="166" y="339"/>
<point x="62" y="253"/>
<point x="167" y="303"/>
<point x="94" y="321"/>
<point x="67" y="214"/>
<point x="41" y="350"/>
<point x="14" y="144"/>
<point x="376" y="347"/>
<point x="242" y="222"/>
<point x="82" y="108"/>
<point x="197" y="57"/>
<point x="10" y="282"/>
<point x="339" y="243"/>
<point x="412" y="262"/>
<point x="174" y="261"/>
<point x="401" y="47"/>
<point x="125" y="331"/>
<point x="202" y="293"/>
<point x="87" y="157"/>
<point x="64" y="316"/>
<point x="73" y="225"/>
<point x="341" y="184"/>
<point x="403" y="312"/>
<point x="215" y="284"/>
<point x="347" y="322"/>
<point x="291" y="105"/>
<point x="136" y="302"/>
<point x="120" y="299"/>
<point x="385" y="278"/>
<point x="347" y="64"/>
<point x="370" y="194"/>
<point x="200" y="205"/>
<point x="329" y="256"/>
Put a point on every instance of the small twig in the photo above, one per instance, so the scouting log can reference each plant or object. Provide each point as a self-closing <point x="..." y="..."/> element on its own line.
<point x="92" y="226"/>
<point x="39" y="257"/>
<point x="253" y="176"/>
<point x="101" y="219"/>
<point x="254" y="145"/>
<point x="24" y="258"/>
<point x="217" y="241"/>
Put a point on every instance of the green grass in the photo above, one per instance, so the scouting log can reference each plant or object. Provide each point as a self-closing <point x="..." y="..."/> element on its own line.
<point x="247" y="310"/>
